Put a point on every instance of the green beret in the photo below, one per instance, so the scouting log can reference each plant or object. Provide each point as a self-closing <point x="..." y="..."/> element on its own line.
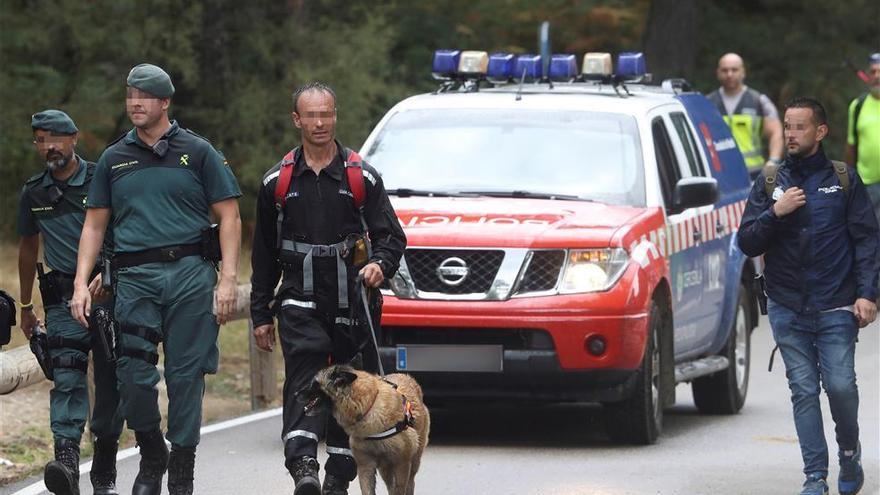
<point x="151" y="79"/>
<point x="54" y="121"/>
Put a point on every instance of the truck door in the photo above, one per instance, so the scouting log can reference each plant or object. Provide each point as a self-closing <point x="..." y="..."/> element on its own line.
<point x="684" y="247"/>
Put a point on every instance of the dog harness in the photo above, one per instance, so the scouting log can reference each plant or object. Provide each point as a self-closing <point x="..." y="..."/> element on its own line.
<point x="407" y="421"/>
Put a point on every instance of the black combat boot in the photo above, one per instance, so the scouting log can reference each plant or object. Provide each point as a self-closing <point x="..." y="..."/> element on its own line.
<point x="62" y="475"/>
<point x="180" y="470"/>
<point x="103" y="473"/>
<point x="305" y="475"/>
<point x="154" y="462"/>
<point x="334" y="485"/>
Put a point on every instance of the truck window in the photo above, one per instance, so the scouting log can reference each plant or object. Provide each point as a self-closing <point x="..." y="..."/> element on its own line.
<point x="687" y="141"/>
<point x="666" y="163"/>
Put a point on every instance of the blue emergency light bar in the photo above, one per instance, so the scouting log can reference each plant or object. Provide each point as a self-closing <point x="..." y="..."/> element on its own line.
<point x="631" y="65"/>
<point x="563" y="67"/>
<point x="445" y="63"/>
<point x="500" y="67"/>
<point x="530" y="64"/>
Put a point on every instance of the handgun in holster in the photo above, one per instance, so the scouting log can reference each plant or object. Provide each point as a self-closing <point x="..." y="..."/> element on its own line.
<point x="759" y="287"/>
<point x="104" y="325"/>
<point x="39" y="344"/>
<point x="210" y="242"/>
<point x="49" y="289"/>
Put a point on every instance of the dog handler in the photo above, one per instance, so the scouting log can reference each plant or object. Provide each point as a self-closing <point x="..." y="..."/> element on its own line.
<point x="323" y="219"/>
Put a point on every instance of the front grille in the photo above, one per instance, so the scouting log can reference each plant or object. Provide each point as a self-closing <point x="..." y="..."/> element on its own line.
<point x="509" y="338"/>
<point x="542" y="272"/>
<point x="482" y="267"/>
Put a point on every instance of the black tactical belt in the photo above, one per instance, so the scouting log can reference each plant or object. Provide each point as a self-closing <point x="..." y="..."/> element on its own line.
<point x="168" y="253"/>
<point x="56" y="287"/>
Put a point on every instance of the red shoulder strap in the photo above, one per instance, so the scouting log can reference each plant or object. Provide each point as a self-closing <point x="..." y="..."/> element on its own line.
<point x="355" y="175"/>
<point x="285" y="174"/>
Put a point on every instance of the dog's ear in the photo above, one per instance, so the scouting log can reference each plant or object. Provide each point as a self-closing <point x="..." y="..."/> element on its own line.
<point x="342" y="378"/>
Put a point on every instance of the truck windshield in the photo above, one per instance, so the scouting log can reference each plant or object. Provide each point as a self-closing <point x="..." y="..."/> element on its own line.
<point x="588" y="155"/>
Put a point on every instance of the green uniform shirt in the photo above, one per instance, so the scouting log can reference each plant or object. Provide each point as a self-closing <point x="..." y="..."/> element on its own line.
<point x="868" y="127"/>
<point x="159" y="201"/>
<point x="57" y="211"/>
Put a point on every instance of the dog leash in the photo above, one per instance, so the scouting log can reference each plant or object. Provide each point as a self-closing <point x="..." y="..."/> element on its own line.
<point x="361" y="287"/>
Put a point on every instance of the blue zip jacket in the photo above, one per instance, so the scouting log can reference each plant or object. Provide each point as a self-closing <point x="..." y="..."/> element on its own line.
<point x="822" y="255"/>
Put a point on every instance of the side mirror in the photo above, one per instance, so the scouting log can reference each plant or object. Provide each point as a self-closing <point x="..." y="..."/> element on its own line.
<point x="692" y="192"/>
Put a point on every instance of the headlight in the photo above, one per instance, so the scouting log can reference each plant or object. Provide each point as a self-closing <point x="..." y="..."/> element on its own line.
<point x="592" y="270"/>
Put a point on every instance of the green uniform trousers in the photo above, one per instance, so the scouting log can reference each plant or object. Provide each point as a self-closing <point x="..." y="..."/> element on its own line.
<point x="172" y="299"/>
<point x="69" y="398"/>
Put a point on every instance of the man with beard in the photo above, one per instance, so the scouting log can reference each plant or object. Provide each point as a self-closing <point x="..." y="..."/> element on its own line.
<point x="318" y="212"/>
<point x="818" y="235"/>
<point x="53" y="206"/>
<point x="159" y="184"/>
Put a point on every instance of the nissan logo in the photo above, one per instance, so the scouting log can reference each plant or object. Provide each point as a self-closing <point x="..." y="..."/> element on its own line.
<point x="452" y="271"/>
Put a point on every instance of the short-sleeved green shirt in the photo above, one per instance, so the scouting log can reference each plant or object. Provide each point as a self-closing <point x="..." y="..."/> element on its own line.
<point x="57" y="211"/>
<point x="159" y="201"/>
<point x="868" y="161"/>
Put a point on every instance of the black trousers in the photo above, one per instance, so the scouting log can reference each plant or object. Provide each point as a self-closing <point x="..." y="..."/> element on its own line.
<point x="311" y="339"/>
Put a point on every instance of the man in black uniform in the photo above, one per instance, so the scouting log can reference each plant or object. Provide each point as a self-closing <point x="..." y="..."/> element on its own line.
<point x="328" y="200"/>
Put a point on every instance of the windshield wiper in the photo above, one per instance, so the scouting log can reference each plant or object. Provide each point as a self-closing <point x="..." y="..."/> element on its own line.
<point x="405" y="192"/>
<point x="528" y="194"/>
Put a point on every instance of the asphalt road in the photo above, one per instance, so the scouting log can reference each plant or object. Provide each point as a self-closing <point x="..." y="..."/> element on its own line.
<point x="562" y="450"/>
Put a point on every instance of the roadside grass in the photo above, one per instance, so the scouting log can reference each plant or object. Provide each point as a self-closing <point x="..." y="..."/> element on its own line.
<point x="25" y="436"/>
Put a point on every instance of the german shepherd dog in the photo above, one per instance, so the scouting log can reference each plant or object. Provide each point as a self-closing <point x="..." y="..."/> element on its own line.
<point x="385" y="418"/>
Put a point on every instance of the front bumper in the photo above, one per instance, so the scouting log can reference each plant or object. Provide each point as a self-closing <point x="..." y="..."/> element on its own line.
<point x="527" y="375"/>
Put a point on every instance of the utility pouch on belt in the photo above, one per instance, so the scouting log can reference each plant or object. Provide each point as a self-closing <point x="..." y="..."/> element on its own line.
<point x="106" y="329"/>
<point x="40" y="347"/>
<point x="210" y="243"/>
<point x="106" y="273"/>
<point x="360" y="253"/>
<point x="759" y="287"/>
<point x="49" y="289"/>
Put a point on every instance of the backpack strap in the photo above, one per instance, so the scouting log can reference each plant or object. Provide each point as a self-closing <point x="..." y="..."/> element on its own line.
<point x="841" y="169"/>
<point x="769" y="172"/>
<point x="285" y="176"/>
<point x="355" y="174"/>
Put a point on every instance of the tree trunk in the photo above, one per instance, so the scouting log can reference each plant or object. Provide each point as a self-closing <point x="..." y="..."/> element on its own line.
<point x="670" y="39"/>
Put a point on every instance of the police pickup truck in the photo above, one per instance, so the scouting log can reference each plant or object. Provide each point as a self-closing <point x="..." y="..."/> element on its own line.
<point x="571" y="238"/>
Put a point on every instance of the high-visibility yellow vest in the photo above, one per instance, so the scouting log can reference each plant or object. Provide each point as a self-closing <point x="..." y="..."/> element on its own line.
<point x="746" y="124"/>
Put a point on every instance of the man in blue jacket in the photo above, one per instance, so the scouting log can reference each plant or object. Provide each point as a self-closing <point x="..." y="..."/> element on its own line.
<point x="818" y="235"/>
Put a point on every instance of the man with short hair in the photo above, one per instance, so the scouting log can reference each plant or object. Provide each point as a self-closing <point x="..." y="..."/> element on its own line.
<point x="750" y="114"/>
<point x="818" y="235"/>
<point x="329" y="224"/>
<point x="52" y="207"/>
<point x="160" y="184"/>
<point x="863" y="133"/>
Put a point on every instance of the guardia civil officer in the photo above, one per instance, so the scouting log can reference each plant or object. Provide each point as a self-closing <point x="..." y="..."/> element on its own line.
<point x="332" y="207"/>
<point x="159" y="185"/>
<point x="52" y="208"/>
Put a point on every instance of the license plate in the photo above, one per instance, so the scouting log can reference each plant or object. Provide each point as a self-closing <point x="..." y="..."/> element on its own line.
<point x="462" y="358"/>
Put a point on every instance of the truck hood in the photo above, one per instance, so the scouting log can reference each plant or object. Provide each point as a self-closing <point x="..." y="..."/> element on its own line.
<point x="511" y="222"/>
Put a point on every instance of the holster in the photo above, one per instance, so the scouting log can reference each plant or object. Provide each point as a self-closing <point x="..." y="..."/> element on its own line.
<point x="759" y="287"/>
<point x="210" y="244"/>
<point x="107" y="332"/>
<point x="39" y="344"/>
<point x="55" y="286"/>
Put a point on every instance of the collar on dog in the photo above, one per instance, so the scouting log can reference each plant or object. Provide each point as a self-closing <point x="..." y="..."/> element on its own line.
<point x="407" y="421"/>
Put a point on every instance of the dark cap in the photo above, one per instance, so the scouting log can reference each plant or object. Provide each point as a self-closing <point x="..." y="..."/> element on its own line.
<point x="151" y="79"/>
<point x="54" y="121"/>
